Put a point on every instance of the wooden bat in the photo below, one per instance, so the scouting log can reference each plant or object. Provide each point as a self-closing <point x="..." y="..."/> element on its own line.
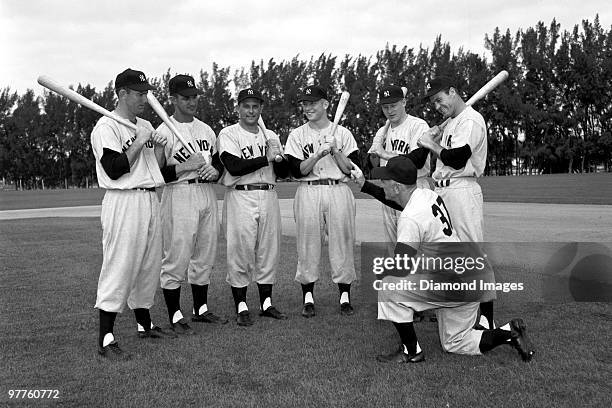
<point x="263" y="128"/>
<point x="388" y="123"/>
<point x="49" y="83"/>
<point x="161" y="112"/>
<point x="344" y="98"/>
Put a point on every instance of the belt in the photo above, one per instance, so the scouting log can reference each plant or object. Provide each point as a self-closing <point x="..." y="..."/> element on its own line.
<point x="442" y="183"/>
<point x="254" y="187"/>
<point x="198" y="181"/>
<point x="326" y="182"/>
<point x="144" y="189"/>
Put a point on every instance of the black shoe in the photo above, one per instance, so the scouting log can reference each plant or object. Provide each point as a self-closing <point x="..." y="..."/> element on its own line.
<point x="182" y="328"/>
<point x="519" y="339"/>
<point x="346" y="309"/>
<point x="156" y="332"/>
<point x="244" y="319"/>
<point x="209" y="317"/>
<point x="113" y="352"/>
<point x="308" y="310"/>
<point x="399" y="356"/>
<point x="273" y="313"/>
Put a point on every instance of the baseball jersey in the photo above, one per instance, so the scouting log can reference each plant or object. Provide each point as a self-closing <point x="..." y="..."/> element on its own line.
<point x="403" y="139"/>
<point x="239" y="142"/>
<point x="304" y="141"/>
<point x="197" y="134"/>
<point x="144" y="172"/>
<point x="425" y="220"/>
<point x="467" y="128"/>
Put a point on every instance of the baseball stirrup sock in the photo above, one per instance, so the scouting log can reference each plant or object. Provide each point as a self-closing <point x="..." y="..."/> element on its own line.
<point x="265" y="294"/>
<point x="173" y="301"/>
<point x="408" y="337"/>
<point x="486" y="309"/>
<point x="143" y="318"/>
<point x="307" y="291"/>
<point x="200" y="298"/>
<point x="493" y="338"/>
<point x="107" y="322"/>
<point x="345" y="292"/>
<point x="239" y="295"/>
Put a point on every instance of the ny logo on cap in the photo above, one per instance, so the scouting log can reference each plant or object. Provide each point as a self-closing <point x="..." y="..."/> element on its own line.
<point x="142" y="78"/>
<point x="308" y="91"/>
<point x="250" y="92"/>
<point x="429" y="87"/>
<point x="190" y="84"/>
<point x="386" y="93"/>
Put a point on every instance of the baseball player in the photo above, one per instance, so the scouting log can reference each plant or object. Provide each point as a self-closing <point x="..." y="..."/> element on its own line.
<point x="251" y="213"/>
<point x="461" y="159"/>
<point x="425" y="228"/>
<point x="399" y="138"/>
<point x="190" y="224"/>
<point x="323" y="202"/>
<point x="127" y="167"/>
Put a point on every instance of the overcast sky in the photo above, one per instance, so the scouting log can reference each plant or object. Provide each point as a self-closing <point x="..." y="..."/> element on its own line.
<point x="91" y="41"/>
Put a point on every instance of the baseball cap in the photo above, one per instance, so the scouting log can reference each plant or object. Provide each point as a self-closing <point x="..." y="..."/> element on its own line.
<point x="132" y="79"/>
<point x="312" y="93"/>
<point x="250" y="93"/>
<point x="183" y="85"/>
<point x="438" y="84"/>
<point x="390" y="94"/>
<point x="398" y="168"/>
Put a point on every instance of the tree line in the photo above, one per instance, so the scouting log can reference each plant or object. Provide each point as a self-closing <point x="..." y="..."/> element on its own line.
<point x="557" y="97"/>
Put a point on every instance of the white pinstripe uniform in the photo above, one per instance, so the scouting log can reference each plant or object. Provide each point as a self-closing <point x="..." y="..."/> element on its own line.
<point x="131" y="227"/>
<point x="401" y="139"/>
<point x="251" y="218"/>
<point x="459" y="188"/>
<point x="189" y="211"/>
<point x="417" y="227"/>
<point x="320" y="209"/>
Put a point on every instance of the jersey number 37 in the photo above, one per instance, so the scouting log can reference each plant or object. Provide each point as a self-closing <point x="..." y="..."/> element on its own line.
<point x="442" y="215"/>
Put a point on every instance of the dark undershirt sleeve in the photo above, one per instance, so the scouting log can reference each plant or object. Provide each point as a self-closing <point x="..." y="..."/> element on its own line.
<point x="240" y="167"/>
<point x="379" y="194"/>
<point x="115" y="164"/>
<point x="281" y="169"/>
<point x="457" y="157"/>
<point x="169" y="173"/>
<point x="294" y="166"/>
<point x="216" y="163"/>
<point x="418" y="156"/>
<point x="354" y="157"/>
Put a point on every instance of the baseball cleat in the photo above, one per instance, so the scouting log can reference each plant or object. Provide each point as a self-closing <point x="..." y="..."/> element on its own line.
<point x="113" y="352"/>
<point x="182" y="328"/>
<point x="399" y="356"/>
<point x="209" y="317"/>
<point x="244" y="319"/>
<point x="156" y="332"/>
<point x="519" y="339"/>
<point x="273" y="313"/>
<point x="308" y="310"/>
<point x="346" y="309"/>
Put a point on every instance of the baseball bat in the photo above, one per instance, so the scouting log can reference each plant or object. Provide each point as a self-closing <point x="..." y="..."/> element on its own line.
<point x="263" y="128"/>
<point x="161" y="112"/>
<point x="344" y="97"/>
<point x="51" y="84"/>
<point x="388" y="123"/>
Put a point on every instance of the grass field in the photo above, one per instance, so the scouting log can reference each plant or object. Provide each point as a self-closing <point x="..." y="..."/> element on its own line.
<point x="50" y="267"/>
<point x="592" y="188"/>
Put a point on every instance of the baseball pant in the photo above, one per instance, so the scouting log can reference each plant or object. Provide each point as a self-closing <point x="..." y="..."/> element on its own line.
<point x="190" y="226"/>
<point x="252" y="227"/>
<point x="320" y="209"/>
<point x="455" y="322"/>
<point x="131" y="246"/>
<point x="463" y="199"/>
